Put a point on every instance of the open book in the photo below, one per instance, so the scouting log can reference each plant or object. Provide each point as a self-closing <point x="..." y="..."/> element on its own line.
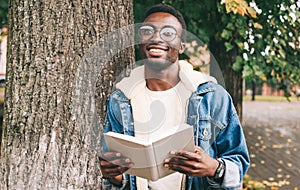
<point x="148" y="157"/>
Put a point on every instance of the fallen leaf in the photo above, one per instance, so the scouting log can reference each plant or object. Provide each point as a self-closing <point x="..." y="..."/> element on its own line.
<point x="271" y="179"/>
<point x="279" y="176"/>
<point x="279" y="170"/>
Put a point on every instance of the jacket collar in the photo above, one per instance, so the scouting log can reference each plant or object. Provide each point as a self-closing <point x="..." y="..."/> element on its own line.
<point x="132" y="85"/>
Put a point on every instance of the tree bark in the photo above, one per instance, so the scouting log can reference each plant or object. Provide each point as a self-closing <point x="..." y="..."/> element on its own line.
<point x="47" y="72"/>
<point x="233" y="80"/>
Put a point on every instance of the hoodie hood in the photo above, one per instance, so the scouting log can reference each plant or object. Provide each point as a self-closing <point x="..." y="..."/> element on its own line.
<point x="191" y="79"/>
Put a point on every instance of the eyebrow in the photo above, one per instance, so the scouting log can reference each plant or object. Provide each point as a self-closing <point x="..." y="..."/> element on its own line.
<point x="148" y="24"/>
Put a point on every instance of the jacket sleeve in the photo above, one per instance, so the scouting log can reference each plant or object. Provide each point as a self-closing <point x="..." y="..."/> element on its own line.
<point x="234" y="152"/>
<point x="111" y="122"/>
<point x="107" y="185"/>
<point x="113" y="116"/>
<point x="230" y="142"/>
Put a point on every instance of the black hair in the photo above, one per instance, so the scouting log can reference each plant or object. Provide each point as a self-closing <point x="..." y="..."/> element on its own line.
<point x="171" y="10"/>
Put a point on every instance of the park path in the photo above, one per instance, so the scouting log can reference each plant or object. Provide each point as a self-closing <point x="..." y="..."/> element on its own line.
<point x="272" y="131"/>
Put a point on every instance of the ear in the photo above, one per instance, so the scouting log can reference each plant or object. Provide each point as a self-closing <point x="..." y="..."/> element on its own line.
<point x="182" y="48"/>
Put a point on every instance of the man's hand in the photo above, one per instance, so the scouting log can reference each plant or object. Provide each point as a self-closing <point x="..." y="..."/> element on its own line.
<point x="196" y="163"/>
<point x="113" y="164"/>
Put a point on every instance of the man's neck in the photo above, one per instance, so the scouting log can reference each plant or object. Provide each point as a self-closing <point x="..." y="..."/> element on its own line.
<point x="163" y="79"/>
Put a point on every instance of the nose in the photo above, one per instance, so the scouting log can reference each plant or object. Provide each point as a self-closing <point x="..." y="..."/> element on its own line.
<point x="156" y="37"/>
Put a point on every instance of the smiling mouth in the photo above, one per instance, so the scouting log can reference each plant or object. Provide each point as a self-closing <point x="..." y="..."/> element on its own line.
<point x="156" y="50"/>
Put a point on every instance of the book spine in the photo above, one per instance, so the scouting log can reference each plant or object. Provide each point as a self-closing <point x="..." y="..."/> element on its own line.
<point x="153" y="164"/>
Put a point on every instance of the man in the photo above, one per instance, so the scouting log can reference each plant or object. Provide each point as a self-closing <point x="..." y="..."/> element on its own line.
<point x="220" y="159"/>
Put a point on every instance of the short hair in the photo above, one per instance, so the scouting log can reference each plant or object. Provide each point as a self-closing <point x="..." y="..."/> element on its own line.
<point x="171" y="10"/>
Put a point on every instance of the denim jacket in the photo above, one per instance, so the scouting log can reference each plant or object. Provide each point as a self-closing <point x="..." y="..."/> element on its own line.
<point x="217" y="130"/>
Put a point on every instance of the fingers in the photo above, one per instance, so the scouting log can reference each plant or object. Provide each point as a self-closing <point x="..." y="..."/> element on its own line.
<point x="182" y="162"/>
<point x="186" y="155"/>
<point x="186" y="169"/>
<point x="110" y="155"/>
<point x="113" y="164"/>
<point x="182" y="165"/>
<point x="196" y="163"/>
<point x="190" y="163"/>
<point x="113" y="159"/>
<point x="112" y="172"/>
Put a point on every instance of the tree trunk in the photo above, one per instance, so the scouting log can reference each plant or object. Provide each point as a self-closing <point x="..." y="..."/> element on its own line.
<point x="253" y="90"/>
<point x="50" y="93"/>
<point x="233" y="80"/>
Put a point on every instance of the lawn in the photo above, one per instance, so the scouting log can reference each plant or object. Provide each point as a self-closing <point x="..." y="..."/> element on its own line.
<point x="271" y="98"/>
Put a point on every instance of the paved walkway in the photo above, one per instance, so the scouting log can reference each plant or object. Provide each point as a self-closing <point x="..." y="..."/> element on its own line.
<point x="272" y="130"/>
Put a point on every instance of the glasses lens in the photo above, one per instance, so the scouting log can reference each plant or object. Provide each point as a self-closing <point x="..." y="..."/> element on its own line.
<point x="168" y="33"/>
<point x="146" y="32"/>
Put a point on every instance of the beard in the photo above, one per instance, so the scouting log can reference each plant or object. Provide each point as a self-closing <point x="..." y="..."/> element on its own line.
<point x="158" y="63"/>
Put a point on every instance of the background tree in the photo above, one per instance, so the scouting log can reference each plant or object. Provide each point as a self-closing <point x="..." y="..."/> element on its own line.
<point x="272" y="51"/>
<point x="50" y="42"/>
<point x="230" y="27"/>
<point x="3" y="12"/>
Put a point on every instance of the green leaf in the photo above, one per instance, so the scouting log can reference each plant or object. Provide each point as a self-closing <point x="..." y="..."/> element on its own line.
<point x="226" y="34"/>
<point x="242" y="33"/>
<point x="230" y="26"/>
<point x="238" y="64"/>
<point x="228" y="46"/>
<point x="247" y="72"/>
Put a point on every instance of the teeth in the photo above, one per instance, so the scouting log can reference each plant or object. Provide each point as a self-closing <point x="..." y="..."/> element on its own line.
<point x="156" y="50"/>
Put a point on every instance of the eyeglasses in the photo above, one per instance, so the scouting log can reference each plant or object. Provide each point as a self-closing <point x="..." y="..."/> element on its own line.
<point x="167" y="33"/>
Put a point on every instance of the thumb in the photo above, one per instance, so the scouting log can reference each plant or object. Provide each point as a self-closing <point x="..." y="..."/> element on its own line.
<point x="198" y="149"/>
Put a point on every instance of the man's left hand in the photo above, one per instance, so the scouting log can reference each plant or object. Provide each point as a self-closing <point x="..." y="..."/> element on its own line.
<point x="196" y="163"/>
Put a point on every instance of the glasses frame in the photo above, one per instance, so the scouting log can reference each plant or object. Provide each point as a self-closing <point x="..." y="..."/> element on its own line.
<point x="156" y="30"/>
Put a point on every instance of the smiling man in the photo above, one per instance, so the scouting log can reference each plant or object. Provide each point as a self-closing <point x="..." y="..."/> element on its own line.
<point x="163" y="94"/>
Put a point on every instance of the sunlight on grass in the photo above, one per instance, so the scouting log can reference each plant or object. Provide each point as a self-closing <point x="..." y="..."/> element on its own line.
<point x="270" y="98"/>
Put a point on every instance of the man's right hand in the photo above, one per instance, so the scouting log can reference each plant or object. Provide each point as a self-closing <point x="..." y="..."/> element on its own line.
<point x="113" y="164"/>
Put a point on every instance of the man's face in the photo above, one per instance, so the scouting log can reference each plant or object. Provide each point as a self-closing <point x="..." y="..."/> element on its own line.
<point x="160" y="39"/>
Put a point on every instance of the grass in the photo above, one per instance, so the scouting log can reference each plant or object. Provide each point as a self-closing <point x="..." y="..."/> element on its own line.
<point x="271" y="98"/>
<point x="250" y="184"/>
